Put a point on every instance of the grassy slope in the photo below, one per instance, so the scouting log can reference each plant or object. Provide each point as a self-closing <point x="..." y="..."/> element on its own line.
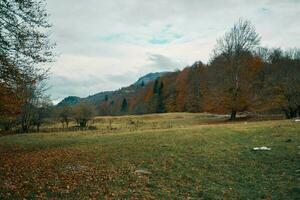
<point x="208" y="162"/>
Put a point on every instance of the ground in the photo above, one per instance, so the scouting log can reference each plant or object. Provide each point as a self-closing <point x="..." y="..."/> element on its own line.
<point x="185" y="158"/>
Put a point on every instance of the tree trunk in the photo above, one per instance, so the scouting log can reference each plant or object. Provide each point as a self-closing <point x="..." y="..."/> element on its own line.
<point x="293" y="113"/>
<point x="25" y="129"/>
<point x="287" y="114"/>
<point x="233" y="115"/>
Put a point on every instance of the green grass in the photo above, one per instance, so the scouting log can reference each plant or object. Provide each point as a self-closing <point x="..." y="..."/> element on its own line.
<point x="186" y="161"/>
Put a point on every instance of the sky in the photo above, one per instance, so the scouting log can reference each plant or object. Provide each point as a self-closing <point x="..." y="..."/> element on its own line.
<point x="103" y="45"/>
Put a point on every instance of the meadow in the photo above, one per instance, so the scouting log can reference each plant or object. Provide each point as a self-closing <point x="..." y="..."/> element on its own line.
<point x="160" y="156"/>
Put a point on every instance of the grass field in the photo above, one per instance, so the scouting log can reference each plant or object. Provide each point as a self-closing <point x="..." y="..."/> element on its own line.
<point x="185" y="158"/>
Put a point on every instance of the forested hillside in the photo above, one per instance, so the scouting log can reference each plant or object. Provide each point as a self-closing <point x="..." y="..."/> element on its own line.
<point x="269" y="83"/>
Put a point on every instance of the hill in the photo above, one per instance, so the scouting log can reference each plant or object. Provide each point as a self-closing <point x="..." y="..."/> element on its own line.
<point x="148" y="78"/>
<point x="99" y="97"/>
<point x="70" y="100"/>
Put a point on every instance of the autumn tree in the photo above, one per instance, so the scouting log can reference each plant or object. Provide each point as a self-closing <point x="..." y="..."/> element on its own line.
<point x="103" y="108"/>
<point x="24" y="47"/>
<point x="170" y="91"/>
<point x="233" y="57"/>
<point x="194" y="98"/>
<point x="182" y="90"/>
<point x="281" y="81"/>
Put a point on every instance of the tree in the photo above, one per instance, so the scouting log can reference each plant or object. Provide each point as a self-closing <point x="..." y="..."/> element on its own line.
<point x="41" y="113"/>
<point x="111" y="106"/>
<point x="234" y="51"/>
<point x="281" y="81"/>
<point x="124" y="106"/>
<point x="33" y="97"/>
<point x="156" y="86"/>
<point x="106" y="98"/>
<point x="24" y="46"/>
<point x="182" y="90"/>
<point x="65" y="115"/>
<point x="158" y="96"/>
<point x="83" y="112"/>
<point x="161" y="103"/>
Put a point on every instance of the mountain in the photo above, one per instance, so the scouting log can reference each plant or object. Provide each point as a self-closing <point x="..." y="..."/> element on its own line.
<point x="149" y="77"/>
<point x="70" y="100"/>
<point x="98" y="97"/>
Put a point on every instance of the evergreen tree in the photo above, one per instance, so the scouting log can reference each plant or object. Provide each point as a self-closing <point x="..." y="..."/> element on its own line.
<point x="156" y="87"/>
<point x="106" y="98"/>
<point x="160" y="99"/>
<point x="124" y="106"/>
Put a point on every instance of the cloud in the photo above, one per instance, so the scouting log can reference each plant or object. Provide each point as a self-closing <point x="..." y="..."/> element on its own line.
<point x="159" y="41"/>
<point x="162" y="63"/>
<point x="85" y="85"/>
<point x="114" y="42"/>
<point x="123" y="79"/>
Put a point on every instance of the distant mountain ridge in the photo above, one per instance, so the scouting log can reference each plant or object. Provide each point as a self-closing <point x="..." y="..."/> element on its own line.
<point x="98" y="97"/>
<point x="149" y="77"/>
<point x="70" y="100"/>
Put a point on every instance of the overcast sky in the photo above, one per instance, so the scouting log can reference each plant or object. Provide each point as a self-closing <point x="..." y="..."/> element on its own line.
<point x="107" y="44"/>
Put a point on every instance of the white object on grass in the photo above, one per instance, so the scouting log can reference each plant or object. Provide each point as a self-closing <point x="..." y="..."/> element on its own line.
<point x="261" y="149"/>
<point x="297" y="120"/>
<point x="142" y="172"/>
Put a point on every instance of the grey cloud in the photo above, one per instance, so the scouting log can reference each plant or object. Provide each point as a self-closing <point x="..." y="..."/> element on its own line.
<point x="163" y="63"/>
<point x="125" y="79"/>
<point x="62" y="86"/>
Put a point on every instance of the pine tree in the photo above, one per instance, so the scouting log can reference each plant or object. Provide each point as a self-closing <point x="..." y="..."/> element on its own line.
<point x="124" y="106"/>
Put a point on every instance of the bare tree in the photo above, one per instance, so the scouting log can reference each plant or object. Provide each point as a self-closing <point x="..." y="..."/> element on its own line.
<point x="83" y="112"/>
<point x="34" y="99"/>
<point x="41" y="113"/>
<point x="234" y="49"/>
<point x="65" y="115"/>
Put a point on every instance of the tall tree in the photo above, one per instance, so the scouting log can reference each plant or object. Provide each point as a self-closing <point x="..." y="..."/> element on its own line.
<point x="24" y="47"/>
<point x="234" y="51"/>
